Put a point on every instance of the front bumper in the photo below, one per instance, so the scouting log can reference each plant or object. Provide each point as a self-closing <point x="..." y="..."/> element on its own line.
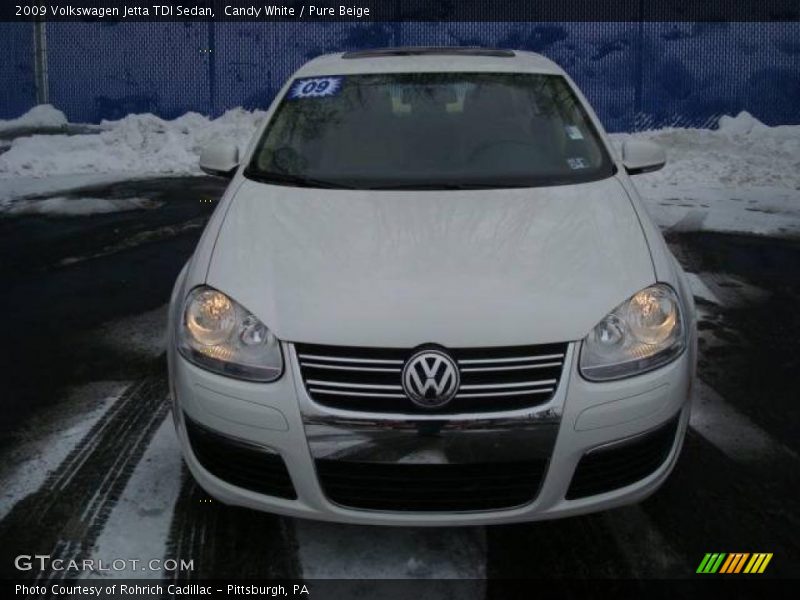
<point x="281" y="419"/>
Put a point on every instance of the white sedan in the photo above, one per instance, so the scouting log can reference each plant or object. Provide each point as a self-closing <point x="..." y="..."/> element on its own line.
<point x="431" y="296"/>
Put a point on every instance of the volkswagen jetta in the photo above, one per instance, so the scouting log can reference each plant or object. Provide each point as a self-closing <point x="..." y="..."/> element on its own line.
<point x="431" y="295"/>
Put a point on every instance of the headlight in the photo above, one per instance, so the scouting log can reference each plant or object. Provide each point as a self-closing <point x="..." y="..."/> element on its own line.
<point x="218" y="334"/>
<point x="641" y="334"/>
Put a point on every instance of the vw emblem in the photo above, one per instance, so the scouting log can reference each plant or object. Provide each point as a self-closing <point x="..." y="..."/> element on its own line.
<point x="430" y="379"/>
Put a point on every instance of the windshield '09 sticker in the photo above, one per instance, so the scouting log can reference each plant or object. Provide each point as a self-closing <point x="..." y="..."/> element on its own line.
<point x="316" y="87"/>
<point x="573" y="132"/>
<point x="577" y="163"/>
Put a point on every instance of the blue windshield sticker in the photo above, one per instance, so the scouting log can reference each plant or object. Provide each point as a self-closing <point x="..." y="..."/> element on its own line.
<point x="316" y="87"/>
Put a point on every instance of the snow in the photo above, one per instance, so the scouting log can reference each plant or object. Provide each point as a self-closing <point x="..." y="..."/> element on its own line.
<point x="742" y="152"/>
<point x="13" y="189"/>
<point x="73" y="207"/>
<point x="633" y="529"/>
<point x="135" y="144"/>
<point x="337" y="551"/>
<point x="134" y="147"/>
<point x="138" y="526"/>
<point x="724" y="289"/>
<point x="44" y="444"/>
<point x="144" y="334"/>
<point x="700" y="289"/>
<point x="741" y="177"/>
<point x="729" y="430"/>
<point x="44" y="115"/>
<point x="137" y="239"/>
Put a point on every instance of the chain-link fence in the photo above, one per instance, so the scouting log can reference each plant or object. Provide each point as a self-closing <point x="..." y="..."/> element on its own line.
<point x="637" y="75"/>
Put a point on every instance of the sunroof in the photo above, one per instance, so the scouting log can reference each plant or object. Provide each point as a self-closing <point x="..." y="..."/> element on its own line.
<point x="432" y="50"/>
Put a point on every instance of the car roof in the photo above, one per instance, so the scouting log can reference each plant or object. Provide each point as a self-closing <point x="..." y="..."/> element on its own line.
<point x="428" y="59"/>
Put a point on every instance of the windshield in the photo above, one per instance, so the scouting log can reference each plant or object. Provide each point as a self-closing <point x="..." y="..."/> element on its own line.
<point x="430" y="131"/>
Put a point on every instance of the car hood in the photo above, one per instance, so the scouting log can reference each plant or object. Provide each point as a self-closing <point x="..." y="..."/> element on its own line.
<point x="457" y="268"/>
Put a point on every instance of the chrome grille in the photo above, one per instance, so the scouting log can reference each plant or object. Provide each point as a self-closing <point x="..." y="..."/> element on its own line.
<point x="370" y="379"/>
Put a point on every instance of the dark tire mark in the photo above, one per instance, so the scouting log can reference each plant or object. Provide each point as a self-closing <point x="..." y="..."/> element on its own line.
<point x="66" y="516"/>
<point x="227" y="542"/>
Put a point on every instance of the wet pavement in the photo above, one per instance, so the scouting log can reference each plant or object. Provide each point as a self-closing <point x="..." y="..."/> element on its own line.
<point x="84" y="304"/>
<point x="755" y="363"/>
<point x="68" y="275"/>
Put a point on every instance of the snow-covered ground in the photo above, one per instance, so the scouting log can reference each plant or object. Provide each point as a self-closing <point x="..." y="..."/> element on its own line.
<point x="741" y="177"/>
<point x="137" y="526"/>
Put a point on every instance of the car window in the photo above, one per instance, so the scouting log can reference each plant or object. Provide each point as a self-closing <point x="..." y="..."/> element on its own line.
<point x="430" y="130"/>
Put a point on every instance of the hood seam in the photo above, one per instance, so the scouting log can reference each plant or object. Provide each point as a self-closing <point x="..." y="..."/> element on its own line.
<point x="641" y="227"/>
<point x="221" y="224"/>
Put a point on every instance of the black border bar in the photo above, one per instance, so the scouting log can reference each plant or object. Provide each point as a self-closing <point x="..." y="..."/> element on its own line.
<point x="732" y="587"/>
<point x="402" y="10"/>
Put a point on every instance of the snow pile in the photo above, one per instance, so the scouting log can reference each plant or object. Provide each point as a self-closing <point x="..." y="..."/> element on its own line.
<point x="44" y="115"/>
<point x="75" y="207"/>
<point x="136" y="144"/>
<point x="742" y="152"/>
<point x="741" y="124"/>
<point x="742" y="177"/>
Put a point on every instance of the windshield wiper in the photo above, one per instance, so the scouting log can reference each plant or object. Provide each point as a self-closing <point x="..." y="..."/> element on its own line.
<point x="310" y="182"/>
<point x="295" y="180"/>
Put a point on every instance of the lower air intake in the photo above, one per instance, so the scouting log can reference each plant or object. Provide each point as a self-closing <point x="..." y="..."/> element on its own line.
<point x="239" y="463"/>
<point x="607" y="469"/>
<point x="430" y="487"/>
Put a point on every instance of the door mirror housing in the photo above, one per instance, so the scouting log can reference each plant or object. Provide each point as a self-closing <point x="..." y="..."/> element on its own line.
<point x="220" y="159"/>
<point x="642" y="156"/>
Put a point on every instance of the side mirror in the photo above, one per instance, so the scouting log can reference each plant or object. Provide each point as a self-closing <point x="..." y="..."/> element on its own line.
<point x="641" y="156"/>
<point x="220" y="158"/>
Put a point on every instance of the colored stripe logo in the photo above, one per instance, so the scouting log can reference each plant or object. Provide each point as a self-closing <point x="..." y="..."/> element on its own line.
<point x="734" y="562"/>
